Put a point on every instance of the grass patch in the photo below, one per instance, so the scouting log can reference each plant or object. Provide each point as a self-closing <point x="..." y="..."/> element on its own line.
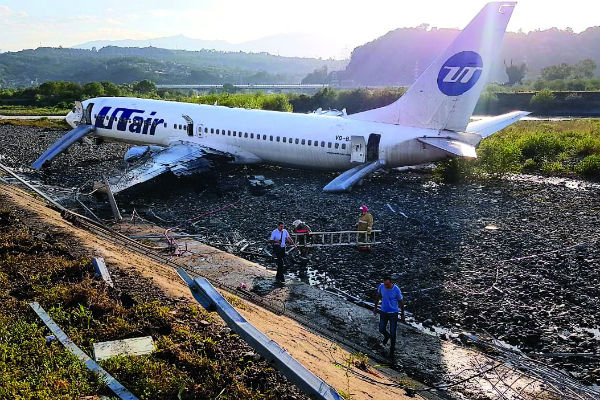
<point x="46" y="123"/>
<point x="32" y="110"/>
<point x="194" y="357"/>
<point x="556" y="148"/>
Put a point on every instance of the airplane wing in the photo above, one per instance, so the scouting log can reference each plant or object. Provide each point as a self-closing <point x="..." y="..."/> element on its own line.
<point x="486" y="126"/>
<point x="180" y="158"/>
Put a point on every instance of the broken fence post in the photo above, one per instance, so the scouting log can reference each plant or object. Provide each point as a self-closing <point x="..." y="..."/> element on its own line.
<point x="111" y="382"/>
<point x="113" y="202"/>
<point x="102" y="271"/>
<point x="211" y="299"/>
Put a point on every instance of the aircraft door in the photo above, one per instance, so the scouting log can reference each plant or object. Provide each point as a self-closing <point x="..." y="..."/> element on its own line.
<point x="190" y="125"/>
<point x="87" y="114"/>
<point x="357" y="154"/>
<point x="373" y="147"/>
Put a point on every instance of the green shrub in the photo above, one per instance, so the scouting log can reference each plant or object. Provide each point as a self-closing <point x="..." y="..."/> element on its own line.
<point x="499" y="160"/>
<point x="454" y="170"/>
<point x="541" y="146"/>
<point x="553" y="168"/>
<point x="542" y="100"/>
<point x="589" y="167"/>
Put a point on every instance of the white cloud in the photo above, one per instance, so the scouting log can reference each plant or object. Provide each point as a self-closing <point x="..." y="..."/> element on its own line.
<point x="5" y="10"/>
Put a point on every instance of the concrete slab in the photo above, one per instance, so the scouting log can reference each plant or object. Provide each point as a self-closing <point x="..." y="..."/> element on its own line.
<point x="128" y="347"/>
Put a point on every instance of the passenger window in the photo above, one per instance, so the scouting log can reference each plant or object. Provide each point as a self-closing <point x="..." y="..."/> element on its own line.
<point x="303" y="141"/>
<point x="343" y="146"/>
<point x="205" y="130"/>
<point x="228" y="133"/>
<point x="212" y="130"/>
<point x="310" y="142"/>
<point x="284" y="139"/>
<point x="235" y="133"/>
<point x="277" y="138"/>
<point x="297" y="141"/>
<point x="165" y="124"/>
<point x="270" y="138"/>
<point x="322" y="144"/>
<point x="217" y="131"/>
<point x="174" y="126"/>
<point x="252" y="136"/>
<point x="246" y="135"/>
<point x="316" y="143"/>
<point x="337" y="145"/>
<point x="180" y="127"/>
<point x="264" y="137"/>
<point x="328" y="145"/>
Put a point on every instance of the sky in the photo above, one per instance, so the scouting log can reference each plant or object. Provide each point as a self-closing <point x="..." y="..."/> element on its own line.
<point x="30" y="24"/>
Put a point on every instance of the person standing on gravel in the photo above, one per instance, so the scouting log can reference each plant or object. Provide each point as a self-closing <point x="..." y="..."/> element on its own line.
<point x="365" y="224"/>
<point x="391" y="299"/>
<point x="279" y="238"/>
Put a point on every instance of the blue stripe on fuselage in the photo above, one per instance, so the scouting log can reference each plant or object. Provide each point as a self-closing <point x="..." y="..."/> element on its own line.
<point x="137" y="126"/>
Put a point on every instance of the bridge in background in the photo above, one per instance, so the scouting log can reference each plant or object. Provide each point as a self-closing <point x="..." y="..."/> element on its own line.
<point x="269" y="88"/>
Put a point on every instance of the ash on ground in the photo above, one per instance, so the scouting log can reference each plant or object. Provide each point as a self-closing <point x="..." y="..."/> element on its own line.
<point x="518" y="260"/>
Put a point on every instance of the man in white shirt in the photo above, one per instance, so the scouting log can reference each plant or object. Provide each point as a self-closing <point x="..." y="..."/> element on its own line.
<point x="279" y="238"/>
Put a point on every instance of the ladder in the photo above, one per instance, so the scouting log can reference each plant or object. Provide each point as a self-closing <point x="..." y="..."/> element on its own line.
<point x="340" y="238"/>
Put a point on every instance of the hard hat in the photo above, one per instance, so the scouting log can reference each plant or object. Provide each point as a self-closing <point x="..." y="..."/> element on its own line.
<point x="364" y="208"/>
<point x="296" y="223"/>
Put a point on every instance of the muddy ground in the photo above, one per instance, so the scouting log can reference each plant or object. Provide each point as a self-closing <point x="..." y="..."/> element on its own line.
<point x="444" y="244"/>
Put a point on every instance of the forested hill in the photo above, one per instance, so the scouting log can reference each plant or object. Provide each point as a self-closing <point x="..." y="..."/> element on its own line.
<point x="397" y="57"/>
<point x="124" y="65"/>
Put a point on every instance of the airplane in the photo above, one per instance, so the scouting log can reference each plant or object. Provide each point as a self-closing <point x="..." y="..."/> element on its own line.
<point x="429" y="123"/>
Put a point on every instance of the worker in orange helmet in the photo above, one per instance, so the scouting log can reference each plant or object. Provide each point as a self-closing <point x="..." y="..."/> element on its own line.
<point x="365" y="224"/>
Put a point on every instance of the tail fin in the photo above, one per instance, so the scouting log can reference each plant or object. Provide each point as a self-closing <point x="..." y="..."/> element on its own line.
<point x="446" y="93"/>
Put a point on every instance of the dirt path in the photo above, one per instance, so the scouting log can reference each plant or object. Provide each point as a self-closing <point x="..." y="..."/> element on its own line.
<point x="316" y="353"/>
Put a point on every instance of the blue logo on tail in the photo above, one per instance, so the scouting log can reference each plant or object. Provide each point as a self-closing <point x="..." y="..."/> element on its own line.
<point x="460" y="73"/>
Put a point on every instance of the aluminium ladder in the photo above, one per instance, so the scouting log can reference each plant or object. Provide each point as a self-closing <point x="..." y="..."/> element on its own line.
<point x="340" y="238"/>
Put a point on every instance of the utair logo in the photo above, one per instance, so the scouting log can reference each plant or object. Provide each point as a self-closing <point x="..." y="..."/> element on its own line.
<point x="126" y="120"/>
<point x="460" y="73"/>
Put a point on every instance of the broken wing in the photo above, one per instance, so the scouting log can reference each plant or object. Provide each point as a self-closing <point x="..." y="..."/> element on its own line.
<point x="180" y="158"/>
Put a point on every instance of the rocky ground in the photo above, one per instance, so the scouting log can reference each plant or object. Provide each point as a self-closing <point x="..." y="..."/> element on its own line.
<point x="446" y="245"/>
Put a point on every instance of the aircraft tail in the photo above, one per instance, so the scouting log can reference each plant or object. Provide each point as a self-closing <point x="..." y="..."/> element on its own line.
<point x="446" y="93"/>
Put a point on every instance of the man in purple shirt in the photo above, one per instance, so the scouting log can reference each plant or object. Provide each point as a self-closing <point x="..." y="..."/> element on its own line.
<point x="391" y="298"/>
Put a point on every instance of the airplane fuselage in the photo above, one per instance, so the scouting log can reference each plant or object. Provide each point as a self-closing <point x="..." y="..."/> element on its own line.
<point x="258" y="136"/>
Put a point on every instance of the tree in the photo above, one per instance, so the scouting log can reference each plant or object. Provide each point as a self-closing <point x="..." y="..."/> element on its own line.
<point x="318" y="76"/>
<point x="229" y="88"/>
<point x="584" y="69"/>
<point x="543" y="100"/>
<point x="110" y="89"/>
<point x="93" y="89"/>
<point x="560" y="71"/>
<point x="144" y="87"/>
<point x="515" y="73"/>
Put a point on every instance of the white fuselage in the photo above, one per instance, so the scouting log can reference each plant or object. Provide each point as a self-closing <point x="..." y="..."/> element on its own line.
<point x="257" y="136"/>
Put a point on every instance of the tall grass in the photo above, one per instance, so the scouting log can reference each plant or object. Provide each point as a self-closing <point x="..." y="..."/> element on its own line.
<point x="558" y="148"/>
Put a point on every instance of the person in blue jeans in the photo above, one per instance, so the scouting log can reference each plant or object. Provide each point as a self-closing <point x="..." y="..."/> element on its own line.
<point x="391" y="299"/>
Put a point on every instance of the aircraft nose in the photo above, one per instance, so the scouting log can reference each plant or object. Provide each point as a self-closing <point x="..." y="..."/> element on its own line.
<point x="70" y="118"/>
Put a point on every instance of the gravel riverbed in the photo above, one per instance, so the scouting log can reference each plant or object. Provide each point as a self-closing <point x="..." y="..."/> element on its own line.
<point x="514" y="258"/>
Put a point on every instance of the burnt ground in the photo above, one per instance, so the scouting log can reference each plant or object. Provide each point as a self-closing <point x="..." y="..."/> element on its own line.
<point x="435" y="244"/>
